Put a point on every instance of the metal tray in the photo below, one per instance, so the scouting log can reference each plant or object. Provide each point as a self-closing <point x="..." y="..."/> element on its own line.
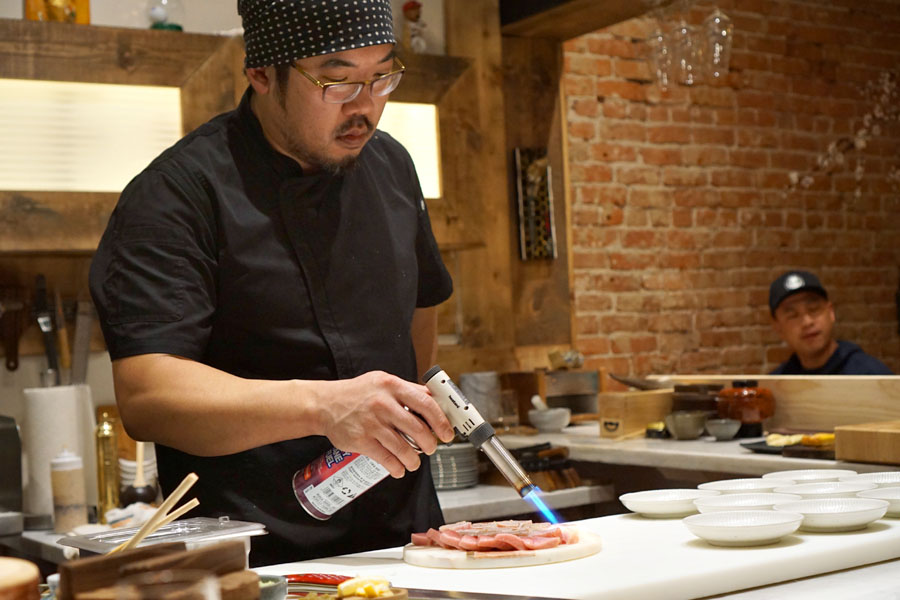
<point x="197" y="529"/>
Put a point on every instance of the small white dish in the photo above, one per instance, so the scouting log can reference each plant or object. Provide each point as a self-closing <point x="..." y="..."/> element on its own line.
<point x="725" y="502"/>
<point x="810" y="475"/>
<point x="836" y="514"/>
<point x="746" y="485"/>
<point x="664" y="503"/>
<point x="882" y="479"/>
<point x="743" y="527"/>
<point x="891" y="494"/>
<point x="826" y="489"/>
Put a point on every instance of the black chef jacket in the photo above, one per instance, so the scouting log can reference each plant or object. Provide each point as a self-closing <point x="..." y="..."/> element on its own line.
<point x="222" y="251"/>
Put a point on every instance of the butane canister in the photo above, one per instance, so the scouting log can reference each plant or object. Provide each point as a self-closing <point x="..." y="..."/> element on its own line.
<point x="334" y="480"/>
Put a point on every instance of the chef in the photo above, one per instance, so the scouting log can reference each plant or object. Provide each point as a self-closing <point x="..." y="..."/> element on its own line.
<point x="267" y="289"/>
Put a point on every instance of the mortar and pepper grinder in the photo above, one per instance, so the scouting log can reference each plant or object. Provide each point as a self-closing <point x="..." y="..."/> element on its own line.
<point x="748" y="403"/>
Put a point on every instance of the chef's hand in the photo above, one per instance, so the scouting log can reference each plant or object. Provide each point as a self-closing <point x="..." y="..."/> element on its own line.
<point x="366" y="414"/>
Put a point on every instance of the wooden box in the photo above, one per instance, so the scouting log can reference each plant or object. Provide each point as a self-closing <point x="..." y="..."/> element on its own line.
<point x="576" y="390"/>
<point x="626" y="414"/>
<point x="877" y="442"/>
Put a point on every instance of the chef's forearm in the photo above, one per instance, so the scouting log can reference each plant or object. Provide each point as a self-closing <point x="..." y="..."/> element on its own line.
<point x="204" y="411"/>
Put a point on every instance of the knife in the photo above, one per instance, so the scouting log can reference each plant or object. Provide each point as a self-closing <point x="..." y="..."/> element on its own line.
<point x="45" y="322"/>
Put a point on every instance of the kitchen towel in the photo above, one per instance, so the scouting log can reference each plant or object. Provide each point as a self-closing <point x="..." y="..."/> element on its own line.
<point x="56" y="419"/>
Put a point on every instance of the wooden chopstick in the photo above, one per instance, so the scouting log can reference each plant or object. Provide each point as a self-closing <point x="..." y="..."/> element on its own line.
<point x="159" y="516"/>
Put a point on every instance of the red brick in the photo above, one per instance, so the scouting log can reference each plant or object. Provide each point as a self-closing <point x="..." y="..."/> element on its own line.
<point x="612" y="47"/>
<point x="585" y="107"/>
<point x="575" y="85"/>
<point x="661" y="134"/>
<point x="705" y="155"/>
<point x="678" y="176"/>
<point x="715" y="259"/>
<point x="582" y="129"/>
<point x="602" y="194"/>
<point x="613" y="108"/>
<point x="593" y="173"/>
<point x="639" y="239"/>
<point x="622" y="89"/>
<point x="757" y="138"/>
<point x="631" y="261"/>
<point x="661" y="156"/>
<point x="653" y="197"/>
<point x="713" y="135"/>
<point x="580" y="64"/>
<point x="589" y="260"/>
<point x="679" y="260"/>
<point x="686" y="240"/>
<point x="624" y="131"/>
<point x="630" y="175"/>
<point x="593" y="302"/>
<point x="658" y="113"/>
<point x="749" y="158"/>
<point x="637" y="70"/>
<point x="682" y="217"/>
<point x="732" y="178"/>
<point x="614" y="152"/>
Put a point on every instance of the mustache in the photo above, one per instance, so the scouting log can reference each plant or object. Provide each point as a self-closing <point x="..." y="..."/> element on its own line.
<point x="353" y="123"/>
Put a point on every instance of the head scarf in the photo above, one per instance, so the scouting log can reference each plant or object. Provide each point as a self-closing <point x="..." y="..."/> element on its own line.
<point x="281" y="31"/>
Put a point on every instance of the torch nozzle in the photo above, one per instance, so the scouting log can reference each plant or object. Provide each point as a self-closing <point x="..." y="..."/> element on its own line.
<point x="508" y="466"/>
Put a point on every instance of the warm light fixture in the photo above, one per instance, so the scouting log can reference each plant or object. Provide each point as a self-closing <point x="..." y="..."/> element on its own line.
<point x="92" y="137"/>
<point x="416" y="127"/>
<point x="82" y="137"/>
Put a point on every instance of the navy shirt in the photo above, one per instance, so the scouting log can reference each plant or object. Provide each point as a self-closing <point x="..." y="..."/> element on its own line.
<point x="223" y="251"/>
<point x="848" y="359"/>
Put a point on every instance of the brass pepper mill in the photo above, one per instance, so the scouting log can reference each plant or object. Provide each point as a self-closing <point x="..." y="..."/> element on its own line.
<point x="107" y="466"/>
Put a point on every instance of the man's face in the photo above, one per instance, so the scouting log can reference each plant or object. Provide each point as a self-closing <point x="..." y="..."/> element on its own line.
<point x="322" y="135"/>
<point x="805" y="322"/>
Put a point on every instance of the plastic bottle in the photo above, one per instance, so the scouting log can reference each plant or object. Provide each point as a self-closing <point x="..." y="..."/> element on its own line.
<point x="107" y="466"/>
<point x="67" y="482"/>
<point x="334" y="480"/>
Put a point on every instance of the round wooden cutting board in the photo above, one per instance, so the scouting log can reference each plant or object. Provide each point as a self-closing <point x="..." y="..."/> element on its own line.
<point x="18" y="579"/>
<point x="443" y="558"/>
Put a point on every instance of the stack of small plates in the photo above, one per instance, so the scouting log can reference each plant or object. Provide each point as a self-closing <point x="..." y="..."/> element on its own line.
<point x="454" y="466"/>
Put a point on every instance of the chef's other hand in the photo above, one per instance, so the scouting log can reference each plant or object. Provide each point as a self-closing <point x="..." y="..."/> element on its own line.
<point x="366" y="414"/>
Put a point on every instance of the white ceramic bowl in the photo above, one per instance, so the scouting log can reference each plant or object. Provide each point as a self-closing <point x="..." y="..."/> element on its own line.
<point x="891" y="494"/>
<point x="550" y="420"/>
<point x="664" y="503"/>
<point x="836" y="514"/>
<point x="810" y="475"/>
<point x="743" y="486"/>
<point x="882" y="479"/>
<point x="764" y="501"/>
<point x="825" y="489"/>
<point x="743" y="527"/>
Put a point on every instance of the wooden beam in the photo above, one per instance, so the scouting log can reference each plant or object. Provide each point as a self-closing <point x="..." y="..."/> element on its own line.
<point x="215" y="86"/>
<point x="577" y="17"/>
<point x="428" y="77"/>
<point x="93" y="54"/>
<point x="58" y="222"/>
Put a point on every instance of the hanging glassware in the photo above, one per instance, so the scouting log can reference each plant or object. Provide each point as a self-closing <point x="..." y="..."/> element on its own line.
<point x="717" y="34"/>
<point x="686" y="53"/>
<point x="661" y="57"/>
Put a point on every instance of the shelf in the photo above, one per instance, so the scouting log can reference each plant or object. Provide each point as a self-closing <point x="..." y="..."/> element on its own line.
<point x="486" y="502"/>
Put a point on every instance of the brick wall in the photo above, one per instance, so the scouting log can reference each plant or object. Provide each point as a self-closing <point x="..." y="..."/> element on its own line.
<point x="683" y="206"/>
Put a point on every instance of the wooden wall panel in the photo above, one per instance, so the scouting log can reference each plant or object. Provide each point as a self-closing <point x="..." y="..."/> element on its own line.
<point x="484" y="286"/>
<point x="541" y="288"/>
<point x="53" y="221"/>
<point x="93" y="54"/>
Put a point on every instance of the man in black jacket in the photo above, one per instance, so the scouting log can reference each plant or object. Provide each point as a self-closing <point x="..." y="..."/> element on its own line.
<point x="804" y="318"/>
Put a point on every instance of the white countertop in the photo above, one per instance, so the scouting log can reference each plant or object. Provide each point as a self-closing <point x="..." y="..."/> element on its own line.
<point x="706" y="454"/>
<point x="649" y="559"/>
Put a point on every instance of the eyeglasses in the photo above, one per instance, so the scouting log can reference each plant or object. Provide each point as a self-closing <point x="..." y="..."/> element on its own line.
<point x="341" y="92"/>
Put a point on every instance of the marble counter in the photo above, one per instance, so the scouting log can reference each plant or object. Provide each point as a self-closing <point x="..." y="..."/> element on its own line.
<point x="706" y="454"/>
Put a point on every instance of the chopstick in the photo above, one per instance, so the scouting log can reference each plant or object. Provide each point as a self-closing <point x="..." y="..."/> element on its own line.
<point x="161" y="516"/>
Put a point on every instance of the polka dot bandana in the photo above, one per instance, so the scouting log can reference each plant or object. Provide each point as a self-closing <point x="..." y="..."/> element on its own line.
<point x="281" y="31"/>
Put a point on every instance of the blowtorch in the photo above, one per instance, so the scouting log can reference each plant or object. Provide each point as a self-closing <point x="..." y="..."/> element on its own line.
<point x="467" y="421"/>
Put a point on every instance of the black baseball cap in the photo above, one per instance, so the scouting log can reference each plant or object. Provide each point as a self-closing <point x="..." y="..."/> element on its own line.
<point x="791" y="283"/>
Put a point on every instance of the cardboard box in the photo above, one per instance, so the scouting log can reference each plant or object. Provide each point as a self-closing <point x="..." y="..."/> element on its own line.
<point x="626" y="414"/>
<point x="868" y="442"/>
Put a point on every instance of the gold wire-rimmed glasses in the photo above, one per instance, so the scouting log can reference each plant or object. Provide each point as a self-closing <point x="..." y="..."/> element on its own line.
<point x="341" y="92"/>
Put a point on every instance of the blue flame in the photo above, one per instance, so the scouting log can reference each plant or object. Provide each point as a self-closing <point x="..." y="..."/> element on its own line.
<point x="534" y="496"/>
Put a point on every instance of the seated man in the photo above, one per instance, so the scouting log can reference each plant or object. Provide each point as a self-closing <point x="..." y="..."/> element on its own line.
<point x="804" y="318"/>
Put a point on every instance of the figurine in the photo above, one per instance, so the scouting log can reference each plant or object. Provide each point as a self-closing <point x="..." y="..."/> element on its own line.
<point x="413" y="27"/>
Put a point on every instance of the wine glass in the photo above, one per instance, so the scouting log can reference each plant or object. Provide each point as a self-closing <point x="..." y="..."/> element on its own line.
<point x="717" y="36"/>
<point x="685" y="53"/>
<point x="661" y="57"/>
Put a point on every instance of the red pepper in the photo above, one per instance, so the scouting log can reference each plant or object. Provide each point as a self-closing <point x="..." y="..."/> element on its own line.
<point x="319" y="578"/>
